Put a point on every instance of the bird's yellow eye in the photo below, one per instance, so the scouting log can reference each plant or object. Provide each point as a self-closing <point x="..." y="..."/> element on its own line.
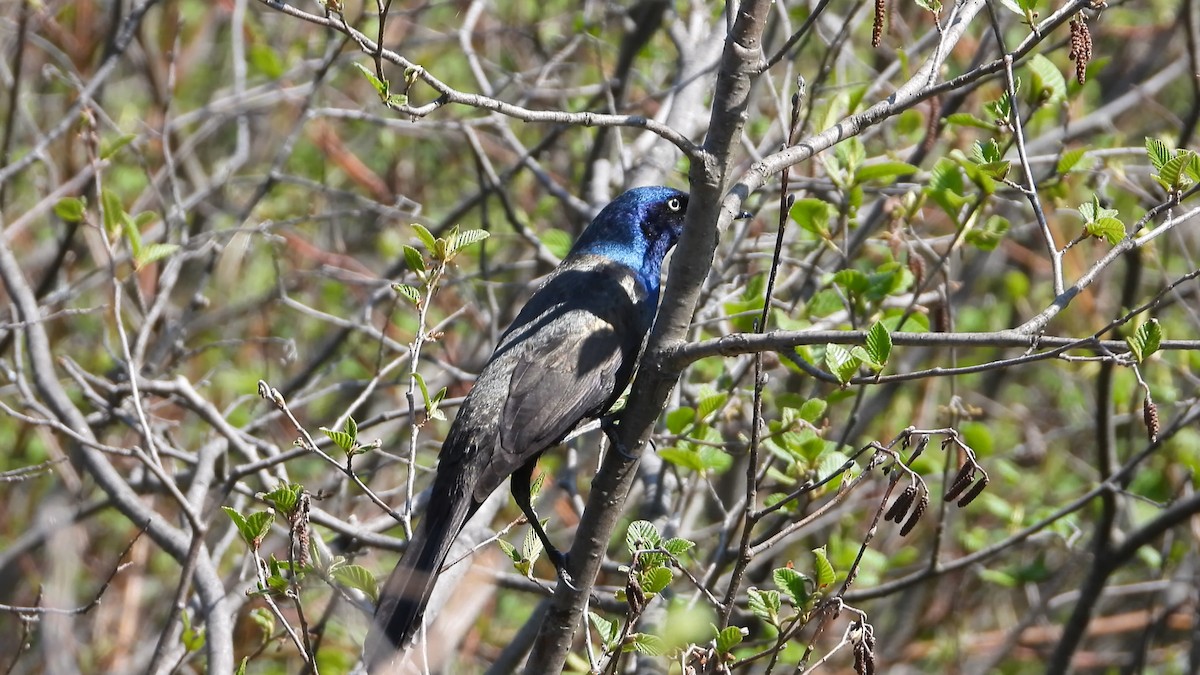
<point x="674" y="204"/>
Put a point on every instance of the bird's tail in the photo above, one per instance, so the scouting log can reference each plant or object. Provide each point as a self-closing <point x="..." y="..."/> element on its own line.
<point x="403" y="598"/>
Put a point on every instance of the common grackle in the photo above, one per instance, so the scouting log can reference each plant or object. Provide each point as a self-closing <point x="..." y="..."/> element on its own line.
<point x="567" y="357"/>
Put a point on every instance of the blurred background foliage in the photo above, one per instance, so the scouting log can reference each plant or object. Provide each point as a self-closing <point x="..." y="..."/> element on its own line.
<point x="246" y="141"/>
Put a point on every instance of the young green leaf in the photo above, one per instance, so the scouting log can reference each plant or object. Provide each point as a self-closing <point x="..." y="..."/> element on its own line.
<point x="1158" y="153"/>
<point x="794" y="583"/>
<point x="841" y="362"/>
<point x="642" y="535"/>
<point x="461" y="240"/>
<point x="1048" y="84"/>
<point x="656" y="579"/>
<point x="607" y="629"/>
<point x="764" y="604"/>
<point x="407" y="292"/>
<point x="152" y="253"/>
<point x="729" y="638"/>
<point x="825" y="573"/>
<point x="285" y="497"/>
<point x="1145" y="340"/>
<point x="879" y="343"/>
<point x="509" y="550"/>
<point x="426" y="237"/>
<point x="644" y="643"/>
<point x="70" y="209"/>
<point x="340" y="438"/>
<point x="415" y="261"/>
<point x="677" y="546"/>
<point x="812" y="215"/>
<point x="380" y="86"/>
<point x="884" y="171"/>
<point x="359" y="578"/>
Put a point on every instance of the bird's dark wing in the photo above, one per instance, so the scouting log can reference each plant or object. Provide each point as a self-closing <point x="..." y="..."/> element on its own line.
<point x="568" y="357"/>
<point x="572" y="375"/>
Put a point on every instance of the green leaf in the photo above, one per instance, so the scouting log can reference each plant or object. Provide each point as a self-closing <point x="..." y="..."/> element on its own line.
<point x="110" y="148"/>
<point x="642" y="535"/>
<point x="683" y="458"/>
<point x="841" y="362"/>
<point x="677" y="546"/>
<point x="414" y="260"/>
<point x="509" y="550"/>
<point x="461" y="240"/>
<point x="1070" y="159"/>
<point x="879" y="343"/>
<point x="794" y="583"/>
<point x="340" y="438"/>
<point x="285" y="497"/>
<point x="1158" y="153"/>
<point x="825" y="573"/>
<point x="359" y="578"/>
<point x="420" y="380"/>
<point x="408" y="292"/>
<point x="1108" y="229"/>
<point x="153" y="253"/>
<point x="864" y="358"/>
<point x="989" y="236"/>
<point x="764" y="604"/>
<point x="812" y="215"/>
<point x="607" y="629"/>
<point x="531" y="546"/>
<point x="714" y="459"/>
<point x="969" y="120"/>
<point x="852" y="281"/>
<point x="644" y="643"/>
<point x="265" y="60"/>
<point x="70" y="209"/>
<point x="1172" y="174"/>
<point x="813" y="409"/>
<point x="558" y="241"/>
<point x="679" y="419"/>
<point x="192" y="638"/>
<point x="380" y="86"/>
<point x="710" y="402"/>
<point x="729" y="638"/>
<point x="426" y="237"/>
<point x="824" y="303"/>
<point x="656" y="579"/>
<point x="252" y="529"/>
<point x="113" y="212"/>
<point x="884" y="170"/>
<point x="1048" y="84"/>
<point x="931" y="6"/>
<point x="1145" y="340"/>
<point x="239" y="521"/>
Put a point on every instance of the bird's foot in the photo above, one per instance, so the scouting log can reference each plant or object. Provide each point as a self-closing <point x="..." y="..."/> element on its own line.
<point x="608" y="424"/>
<point x="559" y="560"/>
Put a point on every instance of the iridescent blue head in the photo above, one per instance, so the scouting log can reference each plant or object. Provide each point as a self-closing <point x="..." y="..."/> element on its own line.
<point x="636" y="229"/>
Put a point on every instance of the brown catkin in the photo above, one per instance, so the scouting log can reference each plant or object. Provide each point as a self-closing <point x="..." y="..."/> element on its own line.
<point x="1081" y="48"/>
<point x="900" y="506"/>
<point x="974" y="492"/>
<point x="960" y="482"/>
<point x="877" y="28"/>
<point x="1150" y="415"/>
<point x="933" y="124"/>
<point x="916" y="265"/>
<point x="917" y="512"/>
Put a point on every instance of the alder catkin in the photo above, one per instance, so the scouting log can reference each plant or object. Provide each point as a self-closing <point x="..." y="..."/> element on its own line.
<point x="1150" y="415"/>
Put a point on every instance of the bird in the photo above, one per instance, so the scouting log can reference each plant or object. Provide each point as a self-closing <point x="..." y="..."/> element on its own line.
<point x="567" y="357"/>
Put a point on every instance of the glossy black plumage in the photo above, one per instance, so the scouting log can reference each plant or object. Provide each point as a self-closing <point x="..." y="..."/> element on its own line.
<point x="567" y="357"/>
